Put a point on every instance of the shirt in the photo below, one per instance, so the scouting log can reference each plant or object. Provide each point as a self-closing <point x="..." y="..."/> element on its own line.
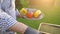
<point x="7" y="16"/>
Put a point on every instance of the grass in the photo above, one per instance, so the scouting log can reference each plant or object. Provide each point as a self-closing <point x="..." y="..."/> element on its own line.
<point x="50" y="16"/>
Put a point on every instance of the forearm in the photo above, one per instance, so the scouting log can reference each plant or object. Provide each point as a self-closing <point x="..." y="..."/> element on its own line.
<point x="23" y="29"/>
<point x="19" y="27"/>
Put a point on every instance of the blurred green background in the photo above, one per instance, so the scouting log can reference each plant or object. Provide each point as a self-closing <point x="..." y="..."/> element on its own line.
<point x="50" y="9"/>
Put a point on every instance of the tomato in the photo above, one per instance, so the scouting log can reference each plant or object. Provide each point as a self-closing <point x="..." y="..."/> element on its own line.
<point x="29" y="15"/>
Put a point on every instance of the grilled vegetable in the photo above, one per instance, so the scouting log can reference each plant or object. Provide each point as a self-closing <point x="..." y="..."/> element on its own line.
<point x="37" y="13"/>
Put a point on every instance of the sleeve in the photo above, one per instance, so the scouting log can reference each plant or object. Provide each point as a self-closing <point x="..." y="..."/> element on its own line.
<point x="13" y="7"/>
<point x="6" y="21"/>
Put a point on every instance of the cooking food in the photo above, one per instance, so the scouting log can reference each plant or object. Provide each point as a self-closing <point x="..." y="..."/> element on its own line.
<point x="29" y="13"/>
<point x="37" y="13"/>
<point x="23" y="11"/>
